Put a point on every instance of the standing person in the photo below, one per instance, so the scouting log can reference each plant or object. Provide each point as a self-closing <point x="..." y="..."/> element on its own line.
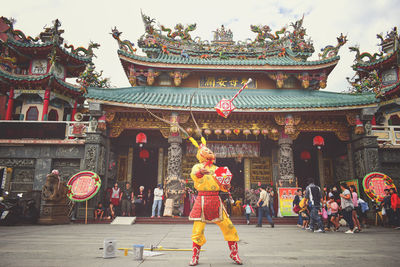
<point x="263" y="208"/>
<point x="271" y="201"/>
<point x="387" y="205"/>
<point x="314" y="197"/>
<point x="115" y="197"/>
<point x="127" y="199"/>
<point x="296" y="207"/>
<point x="334" y="209"/>
<point x="149" y="202"/>
<point x="158" y="193"/>
<point x="395" y="203"/>
<point x="248" y="210"/>
<point x="354" y="198"/>
<point x="208" y="206"/>
<point x="347" y="207"/>
<point x="140" y="201"/>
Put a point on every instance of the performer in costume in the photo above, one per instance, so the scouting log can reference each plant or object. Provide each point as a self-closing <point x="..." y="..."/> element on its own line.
<point x="208" y="206"/>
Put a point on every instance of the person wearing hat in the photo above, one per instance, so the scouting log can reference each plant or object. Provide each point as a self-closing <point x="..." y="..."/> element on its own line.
<point x="157" y="202"/>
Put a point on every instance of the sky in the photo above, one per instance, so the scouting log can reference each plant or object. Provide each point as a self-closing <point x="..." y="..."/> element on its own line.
<point x="85" y="21"/>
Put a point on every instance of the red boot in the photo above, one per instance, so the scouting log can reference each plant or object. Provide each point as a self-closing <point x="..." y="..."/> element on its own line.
<point x="234" y="252"/>
<point x="196" y="252"/>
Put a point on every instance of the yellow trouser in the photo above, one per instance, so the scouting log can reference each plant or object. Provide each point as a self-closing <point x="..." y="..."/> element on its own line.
<point x="227" y="228"/>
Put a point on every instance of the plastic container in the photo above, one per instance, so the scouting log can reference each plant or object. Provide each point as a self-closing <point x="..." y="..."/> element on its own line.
<point x="138" y="252"/>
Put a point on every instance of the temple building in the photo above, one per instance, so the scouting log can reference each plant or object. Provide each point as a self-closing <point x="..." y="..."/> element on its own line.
<point x="285" y="127"/>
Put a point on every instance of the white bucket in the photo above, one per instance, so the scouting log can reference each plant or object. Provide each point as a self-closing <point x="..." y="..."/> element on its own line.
<point x="138" y="252"/>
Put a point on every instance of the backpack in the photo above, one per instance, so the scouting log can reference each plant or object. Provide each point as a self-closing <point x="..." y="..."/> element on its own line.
<point x="303" y="203"/>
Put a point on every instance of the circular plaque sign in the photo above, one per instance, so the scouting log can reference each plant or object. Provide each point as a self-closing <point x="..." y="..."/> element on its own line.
<point x="375" y="183"/>
<point x="83" y="186"/>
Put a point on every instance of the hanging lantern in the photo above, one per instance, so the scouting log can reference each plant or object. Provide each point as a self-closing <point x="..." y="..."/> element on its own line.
<point x="359" y="126"/>
<point x="318" y="141"/>
<point x="236" y="131"/>
<point x="264" y="132"/>
<point x="144" y="154"/>
<point x="227" y="132"/>
<point x="256" y="132"/>
<point x="207" y="132"/>
<point x="102" y="123"/>
<point x="141" y="139"/>
<point x="218" y="132"/>
<point x="246" y="132"/>
<point x="189" y="130"/>
<point x="305" y="155"/>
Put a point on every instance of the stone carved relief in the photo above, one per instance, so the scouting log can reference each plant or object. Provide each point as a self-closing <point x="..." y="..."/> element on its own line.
<point x="23" y="175"/>
<point x="93" y="138"/>
<point x="90" y="158"/>
<point x="66" y="167"/>
<point x="174" y="160"/>
<point x="174" y="183"/>
<point x="63" y="151"/>
<point x="286" y="165"/>
<point x="17" y="162"/>
<point x="342" y="168"/>
<point x="102" y="160"/>
<point x="359" y="164"/>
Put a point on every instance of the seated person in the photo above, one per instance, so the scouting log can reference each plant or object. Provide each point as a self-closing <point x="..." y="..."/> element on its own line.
<point x="111" y="211"/>
<point x="99" y="212"/>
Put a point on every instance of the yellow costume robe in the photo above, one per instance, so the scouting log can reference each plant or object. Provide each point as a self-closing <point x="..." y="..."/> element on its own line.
<point x="208" y="183"/>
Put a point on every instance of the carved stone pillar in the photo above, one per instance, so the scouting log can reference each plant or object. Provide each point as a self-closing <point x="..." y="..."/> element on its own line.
<point x="160" y="165"/>
<point x="366" y="158"/>
<point x="174" y="183"/>
<point x="94" y="160"/>
<point x="286" y="164"/>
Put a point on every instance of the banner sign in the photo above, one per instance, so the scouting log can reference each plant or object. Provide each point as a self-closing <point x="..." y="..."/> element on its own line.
<point x="355" y="183"/>
<point x="229" y="149"/>
<point x="286" y="196"/>
<point x="375" y="183"/>
<point x="226" y="82"/>
<point x="83" y="186"/>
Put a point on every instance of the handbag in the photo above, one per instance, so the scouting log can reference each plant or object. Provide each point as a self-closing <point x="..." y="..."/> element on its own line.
<point x="383" y="211"/>
<point x="296" y="209"/>
<point x="324" y="214"/>
<point x="138" y="201"/>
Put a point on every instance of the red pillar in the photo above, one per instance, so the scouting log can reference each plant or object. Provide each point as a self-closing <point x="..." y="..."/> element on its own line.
<point x="10" y="105"/>
<point x="74" y="111"/>
<point x="46" y="104"/>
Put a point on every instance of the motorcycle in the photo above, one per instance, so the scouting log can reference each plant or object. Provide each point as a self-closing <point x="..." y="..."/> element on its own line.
<point x="12" y="211"/>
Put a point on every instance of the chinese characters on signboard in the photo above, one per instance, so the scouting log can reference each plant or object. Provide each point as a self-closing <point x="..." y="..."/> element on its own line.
<point x="229" y="150"/>
<point x="225" y="82"/>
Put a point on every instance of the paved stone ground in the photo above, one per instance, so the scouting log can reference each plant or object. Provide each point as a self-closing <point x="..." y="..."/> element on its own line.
<point x="78" y="245"/>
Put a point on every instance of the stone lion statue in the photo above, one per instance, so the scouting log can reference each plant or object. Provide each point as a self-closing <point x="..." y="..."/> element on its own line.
<point x="54" y="190"/>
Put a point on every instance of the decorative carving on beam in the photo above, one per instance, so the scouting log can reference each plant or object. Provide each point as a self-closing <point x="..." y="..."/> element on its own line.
<point x="110" y="116"/>
<point x="312" y="124"/>
<point x="279" y="77"/>
<point x="178" y="77"/>
<point x="289" y="122"/>
<point x="351" y="118"/>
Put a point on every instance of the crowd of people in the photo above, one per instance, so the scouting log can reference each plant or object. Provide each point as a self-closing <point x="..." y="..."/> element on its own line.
<point x="126" y="202"/>
<point x="328" y="211"/>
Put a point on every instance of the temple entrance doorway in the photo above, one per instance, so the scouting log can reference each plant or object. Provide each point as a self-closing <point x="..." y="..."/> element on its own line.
<point x="144" y="171"/>
<point x="237" y="169"/>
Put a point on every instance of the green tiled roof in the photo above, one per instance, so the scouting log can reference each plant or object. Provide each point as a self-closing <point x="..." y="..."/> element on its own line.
<point x="274" y="61"/>
<point x="68" y="85"/>
<point x="248" y="99"/>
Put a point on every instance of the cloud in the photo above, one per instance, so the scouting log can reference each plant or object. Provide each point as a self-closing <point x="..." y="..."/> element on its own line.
<point x="84" y="21"/>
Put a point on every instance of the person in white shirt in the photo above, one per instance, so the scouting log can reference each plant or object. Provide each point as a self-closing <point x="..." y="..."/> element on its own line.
<point x="157" y="203"/>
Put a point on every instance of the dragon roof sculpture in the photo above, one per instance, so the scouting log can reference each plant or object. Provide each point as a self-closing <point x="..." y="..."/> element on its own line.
<point x="288" y="41"/>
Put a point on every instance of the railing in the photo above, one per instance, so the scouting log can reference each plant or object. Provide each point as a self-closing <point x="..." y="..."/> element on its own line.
<point x="387" y="135"/>
<point x="15" y="129"/>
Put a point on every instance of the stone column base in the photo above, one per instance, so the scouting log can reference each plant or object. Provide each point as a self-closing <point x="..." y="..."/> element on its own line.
<point x="54" y="214"/>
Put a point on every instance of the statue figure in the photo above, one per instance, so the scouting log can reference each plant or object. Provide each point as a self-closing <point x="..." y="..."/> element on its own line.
<point x="54" y="190"/>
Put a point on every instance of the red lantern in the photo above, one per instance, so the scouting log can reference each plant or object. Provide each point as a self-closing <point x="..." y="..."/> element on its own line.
<point x="141" y="139"/>
<point x="305" y="155"/>
<point x="144" y="154"/>
<point x="318" y="141"/>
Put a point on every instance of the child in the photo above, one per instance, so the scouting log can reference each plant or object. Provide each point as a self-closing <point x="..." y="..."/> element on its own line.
<point x="334" y="208"/>
<point x="248" y="211"/>
<point x="304" y="212"/>
<point x="99" y="212"/>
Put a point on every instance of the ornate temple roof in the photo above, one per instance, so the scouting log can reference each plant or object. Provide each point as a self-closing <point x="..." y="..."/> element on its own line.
<point x="260" y="100"/>
<point x="287" y="46"/>
<point x="378" y="73"/>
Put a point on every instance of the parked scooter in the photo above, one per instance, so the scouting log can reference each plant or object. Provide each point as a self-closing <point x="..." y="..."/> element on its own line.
<point x="10" y="210"/>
